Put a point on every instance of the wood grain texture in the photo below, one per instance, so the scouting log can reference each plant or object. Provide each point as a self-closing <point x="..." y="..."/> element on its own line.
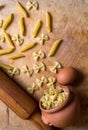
<point x="70" y="22"/>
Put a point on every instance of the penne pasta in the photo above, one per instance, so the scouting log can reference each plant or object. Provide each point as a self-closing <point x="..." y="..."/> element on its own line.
<point x="28" y="46"/>
<point x="7" y="21"/>
<point x="5" y="66"/>
<point x="22" y="9"/>
<point x="37" y="28"/>
<point x="54" y="47"/>
<point x="48" y="21"/>
<point x="16" y="56"/>
<point x="22" y="26"/>
<point x="6" y="51"/>
<point x="8" y="39"/>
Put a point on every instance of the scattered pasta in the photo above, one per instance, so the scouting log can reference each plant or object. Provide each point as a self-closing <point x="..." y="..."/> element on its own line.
<point x="48" y="21"/>
<point x="16" y="56"/>
<point x="8" y="39"/>
<point x="5" y="66"/>
<point x="6" y="51"/>
<point x="39" y="67"/>
<point x="37" y="28"/>
<point x="32" y="89"/>
<point x="54" y="47"/>
<point x="22" y="26"/>
<point x="42" y="39"/>
<point x="55" y="67"/>
<point x="13" y="72"/>
<point x="28" y="46"/>
<point x="51" y="82"/>
<point x="7" y="22"/>
<point x="22" y="9"/>
<point x="25" y="69"/>
<point x="16" y="38"/>
<point x="1" y="23"/>
<point x="30" y="5"/>
<point x="41" y="81"/>
<point x="2" y="38"/>
<point x="37" y="55"/>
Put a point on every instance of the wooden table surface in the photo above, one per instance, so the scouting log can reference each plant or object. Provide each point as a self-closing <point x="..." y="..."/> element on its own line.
<point x="70" y="22"/>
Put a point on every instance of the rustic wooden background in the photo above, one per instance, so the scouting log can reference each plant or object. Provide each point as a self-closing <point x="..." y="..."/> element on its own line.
<point x="70" y="22"/>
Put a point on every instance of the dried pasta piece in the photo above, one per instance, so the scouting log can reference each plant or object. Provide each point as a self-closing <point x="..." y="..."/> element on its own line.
<point x="26" y="70"/>
<point x="56" y="66"/>
<point x="39" y="83"/>
<point x="42" y="39"/>
<point x="42" y="66"/>
<point x="37" y="55"/>
<point x="2" y="38"/>
<point x="44" y="79"/>
<point x="22" y="26"/>
<point x="16" y="56"/>
<point x="48" y="21"/>
<point x="39" y="67"/>
<point x="54" y="47"/>
<point x="22" y="9"/>
<point x="13" y="72"/>
<point x="28" y="46"/>
<point x="30" y="90"/>
<point x="6" y="51"/>
<point x="37" y="28"/>
<point x="5" y="66"/>
<point x="30" y="5"/>
<point x="1" y="23"/>
<point x="16" y="38"/>
<point x="51" y="81"/>
<point x="8" y="39"/>
<point x="7" y="22"/>
<point x="36" y="68"/>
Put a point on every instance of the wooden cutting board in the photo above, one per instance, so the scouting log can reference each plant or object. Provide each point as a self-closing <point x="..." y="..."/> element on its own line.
<point x="70" y="23"/>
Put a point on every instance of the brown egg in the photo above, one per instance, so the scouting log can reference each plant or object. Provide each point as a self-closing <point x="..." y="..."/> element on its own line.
<point x="67" y="75"/>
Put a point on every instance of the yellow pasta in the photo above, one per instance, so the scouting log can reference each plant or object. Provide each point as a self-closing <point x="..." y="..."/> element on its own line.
<point x="16" y="56"/>
<point x="6" y="51"/>
<point x="37" y="28"/>
<point x="8" y="39"/>
<point x="28" y="46"/>
<point x="5" y="66"/>
<point x="22" y="9"/>
<point x="48" y="21"/>
<point x="54" y="47"/>
<point x="7" y="21"/>
<point x="22" y="26"/>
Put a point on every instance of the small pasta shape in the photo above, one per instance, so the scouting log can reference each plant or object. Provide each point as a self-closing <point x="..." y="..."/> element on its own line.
<point x="7" y="21"/>
<point x="1" y="22"/>
<point x="37" y="28"/>
<point x="22" y="26"/>
<point x="8" y="39"/>
<point x="22" y="9"/>
<point x="16" y="56"/>
<point x="14" y="71"/>
<point x="2" y="38"/>
<point x="5" y="66"/>
<point x="6" y="51"/>
<point x="48" y="21"/>
<point x="28" y="46"/>
<point x="54" y="47"/>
